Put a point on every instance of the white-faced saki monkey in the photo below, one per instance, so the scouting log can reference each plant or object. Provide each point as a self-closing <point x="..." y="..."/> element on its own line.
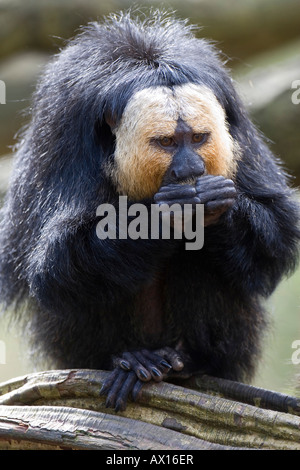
<point x="142" y="108"/>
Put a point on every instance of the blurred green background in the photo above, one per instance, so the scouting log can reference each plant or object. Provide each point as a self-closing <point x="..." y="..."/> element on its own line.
<point x="260" y="40"/>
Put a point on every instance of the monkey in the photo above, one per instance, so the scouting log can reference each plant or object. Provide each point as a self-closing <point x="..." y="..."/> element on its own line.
<point x="141" y="107"/>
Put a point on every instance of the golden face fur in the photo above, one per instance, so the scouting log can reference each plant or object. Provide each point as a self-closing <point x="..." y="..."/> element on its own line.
<point x="153" y="113"/>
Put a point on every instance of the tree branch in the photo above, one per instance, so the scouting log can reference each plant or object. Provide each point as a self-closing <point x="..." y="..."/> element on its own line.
<point x="67" y="411"/>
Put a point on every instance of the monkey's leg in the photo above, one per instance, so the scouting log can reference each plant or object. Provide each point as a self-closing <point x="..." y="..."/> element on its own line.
<point x="135" y="368"/>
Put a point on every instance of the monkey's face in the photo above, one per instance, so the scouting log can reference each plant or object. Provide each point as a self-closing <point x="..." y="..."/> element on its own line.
<point x="176" y="134"/>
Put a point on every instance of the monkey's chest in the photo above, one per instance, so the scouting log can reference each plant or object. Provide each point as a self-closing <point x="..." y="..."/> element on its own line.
<point x="149" y="312"/>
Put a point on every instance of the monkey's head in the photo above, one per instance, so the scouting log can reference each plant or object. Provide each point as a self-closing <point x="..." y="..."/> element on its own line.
<point x="136" y="103"/>
<point x="171" y="134"/>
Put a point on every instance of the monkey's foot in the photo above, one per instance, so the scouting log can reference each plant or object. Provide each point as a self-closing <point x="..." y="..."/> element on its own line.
<point x="133" y="369"/>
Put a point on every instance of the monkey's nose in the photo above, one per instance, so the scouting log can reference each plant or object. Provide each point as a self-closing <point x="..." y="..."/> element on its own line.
<point x="188" y="170"/>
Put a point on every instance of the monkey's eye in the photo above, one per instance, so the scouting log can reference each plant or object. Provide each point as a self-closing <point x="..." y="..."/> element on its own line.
<point x="166" y="141"/>
<point x="199" y="138"/>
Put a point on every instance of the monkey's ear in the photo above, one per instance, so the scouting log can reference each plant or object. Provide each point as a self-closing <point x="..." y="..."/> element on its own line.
<point x="111" y="120"/>
<point x="104" y="134"/>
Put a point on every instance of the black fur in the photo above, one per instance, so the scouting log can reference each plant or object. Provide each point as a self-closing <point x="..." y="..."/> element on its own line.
<point x="82" y="292"/>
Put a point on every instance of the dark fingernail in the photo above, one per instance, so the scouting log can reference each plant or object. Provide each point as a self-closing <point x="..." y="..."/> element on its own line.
<point x="103" y="390"/>
<point x="125" y="365"/>
<point x="143" y="374"/>
<point x="165" y="364"/>
<point x="156" y="372"/>
<point x="120" y="406"/>
<point x="136" y="390"/>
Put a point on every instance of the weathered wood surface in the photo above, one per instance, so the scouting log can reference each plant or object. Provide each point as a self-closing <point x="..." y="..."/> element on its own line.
<point x="63" y="410"/>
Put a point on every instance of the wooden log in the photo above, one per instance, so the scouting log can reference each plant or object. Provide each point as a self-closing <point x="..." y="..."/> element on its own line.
<point x="64" y="409"/>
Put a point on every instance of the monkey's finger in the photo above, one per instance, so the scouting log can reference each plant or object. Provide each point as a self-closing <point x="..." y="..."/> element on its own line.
<point x="180" y="192"/>
<point x="194" y="200"/>
<point x="218" y="206"/>
<point x="168" y="187"/>
<point x="172" y="357"/>
<point x="174" y="186"/>
<point x="212" y="178"/>
<point x="157" y="365"/>
<point x="124" y="391"/>
<point x="141" y="372"/>
<point x="136" y="390"/>
<point x="217" y="195"/>
<point x="159" y="362"/>
<point x="215" y="181"/>
<point x="120" y="362"/>
<point x="149" y="365"/>
<point x="116" y="386"/>
<point x="226" y="185"/>
<point x="107" y="384"/>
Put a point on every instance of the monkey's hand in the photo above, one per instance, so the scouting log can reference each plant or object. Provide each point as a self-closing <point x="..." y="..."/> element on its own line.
<point x="175" y="193"/>
<point x="133" y="369"/>
<point x="217" y="194"/>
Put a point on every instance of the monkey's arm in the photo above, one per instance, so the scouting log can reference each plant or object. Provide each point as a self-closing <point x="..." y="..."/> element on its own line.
<point x="243" y="258"/>
<point x="256" y="242"/>
<point x="70" y="264"/>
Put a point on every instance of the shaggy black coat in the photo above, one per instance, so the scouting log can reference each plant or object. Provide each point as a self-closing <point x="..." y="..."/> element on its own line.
<point x="81" y="292"/>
